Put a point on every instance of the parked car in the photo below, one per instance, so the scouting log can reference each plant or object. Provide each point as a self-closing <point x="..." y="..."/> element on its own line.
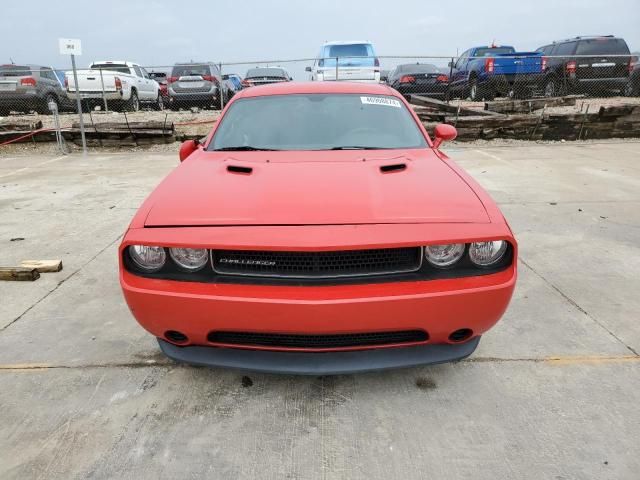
<point x="235" y="79"/>
<point x="196" y="85"/>
<point x="356" y="61"/>
<point x="31" y="87"/>
<point x="161" y="78"/>
<point x="590" y="65"/>
<point x="632" y="88"/>
<point x="419" y="79"/>
<point x="486" y="71"/>
<point x="351" y="242"/>
<point x="265" y="75"/>
<point x="124" y="85"/>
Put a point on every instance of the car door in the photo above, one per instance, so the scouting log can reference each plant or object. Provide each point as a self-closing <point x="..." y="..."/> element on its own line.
<point x="145" y="88"/>
<point x="153" y="83"/>
<point x="459" y="73"/>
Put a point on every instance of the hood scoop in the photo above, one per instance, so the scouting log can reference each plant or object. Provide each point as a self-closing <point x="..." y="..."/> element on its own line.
<point x="394" y="167"/>
<point x="239" y="169"/>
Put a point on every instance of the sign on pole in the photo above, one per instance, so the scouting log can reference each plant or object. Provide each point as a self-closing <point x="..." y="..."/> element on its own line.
<point x="70" y="46"/>
<point x="73" y="47"/>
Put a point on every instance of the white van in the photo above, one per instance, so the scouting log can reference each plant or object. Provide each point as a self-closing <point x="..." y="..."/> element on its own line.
<point x="354" y="61"/>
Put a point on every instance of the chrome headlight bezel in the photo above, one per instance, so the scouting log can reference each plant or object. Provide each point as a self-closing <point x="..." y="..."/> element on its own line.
<point x="491" y="258"/>
<point x="179" y="254"/>
<point x="447" y="259"/>
<point x="137" y="252"/>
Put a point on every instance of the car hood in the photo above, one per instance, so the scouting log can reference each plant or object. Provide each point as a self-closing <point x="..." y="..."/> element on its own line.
<point x="313" y="188"/>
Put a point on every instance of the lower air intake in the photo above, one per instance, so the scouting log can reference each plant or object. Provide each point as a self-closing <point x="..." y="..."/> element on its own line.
<point x="343" y="340"/>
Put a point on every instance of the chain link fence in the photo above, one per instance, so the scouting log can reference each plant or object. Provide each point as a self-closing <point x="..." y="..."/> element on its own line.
<point x="187" y="97"/>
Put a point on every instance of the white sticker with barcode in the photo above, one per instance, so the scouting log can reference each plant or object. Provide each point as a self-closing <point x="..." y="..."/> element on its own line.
<point x="388" y="102"/>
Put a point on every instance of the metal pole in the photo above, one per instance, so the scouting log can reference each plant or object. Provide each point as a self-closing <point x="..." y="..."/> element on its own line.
<point x="79" y="104"/>
<point x="337" y="69"/>
<point x="104" y="99"/>
<point x="222" y="87"/>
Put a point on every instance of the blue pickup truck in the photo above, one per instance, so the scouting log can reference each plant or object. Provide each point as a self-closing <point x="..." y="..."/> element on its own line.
<point x="488" y="71"/>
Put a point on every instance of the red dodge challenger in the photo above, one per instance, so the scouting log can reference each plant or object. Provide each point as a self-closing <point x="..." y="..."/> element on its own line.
<point x="318" y="230"/>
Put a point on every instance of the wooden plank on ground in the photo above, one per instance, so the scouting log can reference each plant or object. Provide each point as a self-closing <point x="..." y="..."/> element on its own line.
<point x="447" y="107"/>
<point x="43" y="266"/>
<point x="529" y="105"/>
<point x="19" y="274"/>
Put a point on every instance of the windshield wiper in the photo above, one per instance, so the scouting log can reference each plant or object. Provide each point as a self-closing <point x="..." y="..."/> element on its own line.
<point x="357" y="147"/>
<point x="245" y="148"/>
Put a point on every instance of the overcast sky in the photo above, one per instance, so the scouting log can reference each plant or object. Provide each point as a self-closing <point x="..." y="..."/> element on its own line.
<point x="163" y="32"/>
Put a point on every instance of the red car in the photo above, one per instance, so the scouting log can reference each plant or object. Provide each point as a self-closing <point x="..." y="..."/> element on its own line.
<point x="318" y="230"/>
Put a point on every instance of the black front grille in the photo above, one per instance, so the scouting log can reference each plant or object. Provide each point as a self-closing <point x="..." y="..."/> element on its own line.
<point x="344" y="263"/>
<point x="284" y="340"/>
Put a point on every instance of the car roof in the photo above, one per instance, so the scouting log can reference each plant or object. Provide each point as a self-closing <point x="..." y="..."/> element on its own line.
<point x="586" y="37"/>
<point x="116" y="62"/>
<point x="346" y="42"/>
<point x="289" y="88"/>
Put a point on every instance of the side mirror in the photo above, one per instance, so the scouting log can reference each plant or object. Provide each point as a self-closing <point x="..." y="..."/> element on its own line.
<point x="190" y="146"/>
<point x="444" y="133"/>
<point x="450" y="64"/>
<point x="308" y="69"/>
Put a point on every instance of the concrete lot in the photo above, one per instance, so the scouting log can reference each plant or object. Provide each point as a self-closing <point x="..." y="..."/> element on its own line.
<point x="553" y="392"/>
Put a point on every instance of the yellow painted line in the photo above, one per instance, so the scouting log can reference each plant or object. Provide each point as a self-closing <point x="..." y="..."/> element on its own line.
<point x="25" y="366"/>
<point x="591" y="359"/>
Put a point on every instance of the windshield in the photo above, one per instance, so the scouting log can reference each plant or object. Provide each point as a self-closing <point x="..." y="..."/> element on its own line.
<point x="266" y="72"/>
<point x="14" y="71"/>
<point x="113" y="67"/>
<point x="602" y="46"/>
<point x="353" y="55"/>
<point x="317" y="122"/>
<point x="487" y="52"/>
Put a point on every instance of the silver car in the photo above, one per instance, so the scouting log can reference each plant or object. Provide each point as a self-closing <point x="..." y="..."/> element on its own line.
<point x="196" y="85"/>
<point x="24" y="88"/>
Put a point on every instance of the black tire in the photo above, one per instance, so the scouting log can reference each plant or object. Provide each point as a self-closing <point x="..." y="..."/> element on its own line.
<point x="553" y="87"/>
<point x="159" y="103"/>
<point x="4" y="112"/>
<point x="133" y="104"/>
<point x="631" y="90"/>
<point x="478" y="94"/>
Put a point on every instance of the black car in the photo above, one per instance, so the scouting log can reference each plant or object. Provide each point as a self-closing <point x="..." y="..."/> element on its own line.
<point x="419" y="79"/>
<point x="590" y="65"/>
<point x="632" y="89"/>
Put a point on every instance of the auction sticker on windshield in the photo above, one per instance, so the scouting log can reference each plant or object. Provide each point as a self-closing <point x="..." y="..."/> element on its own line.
<point x="389" y="102"/>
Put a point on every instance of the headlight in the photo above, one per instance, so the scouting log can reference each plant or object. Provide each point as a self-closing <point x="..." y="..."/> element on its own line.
<point x="148" y="259"/>
<point x="485" y="254"/>
<point x="190" y="259"/>
<point x="444" y="255"/>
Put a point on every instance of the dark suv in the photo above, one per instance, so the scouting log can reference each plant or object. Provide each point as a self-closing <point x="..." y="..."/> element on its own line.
<point x="31" y="87"/>
<point x="589" y="65"/>
<point x="196" y="85"/>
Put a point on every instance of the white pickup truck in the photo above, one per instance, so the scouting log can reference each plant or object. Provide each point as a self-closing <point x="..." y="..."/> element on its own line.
<point x="124" y="86"/>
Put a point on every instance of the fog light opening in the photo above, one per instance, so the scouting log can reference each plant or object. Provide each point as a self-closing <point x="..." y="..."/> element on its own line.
<point x="176" y="337"/>
<point x="460" y="335"/>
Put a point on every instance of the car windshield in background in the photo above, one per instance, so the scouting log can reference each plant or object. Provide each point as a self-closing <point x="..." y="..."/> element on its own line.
<point x="317" y="122"/>
<point x="602" y="46"/>
<point x="487" y="52"/>
<point x="357" y="54"/>
<point x="111" y="67"/>
<point x="266" y="72"/>
<point x="14" y="71"/>
<point x="190" y="71"/>
<point x="425" y="68"/>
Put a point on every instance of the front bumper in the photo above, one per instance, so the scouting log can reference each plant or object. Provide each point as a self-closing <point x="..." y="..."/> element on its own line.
<point x="319" y="363"/>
